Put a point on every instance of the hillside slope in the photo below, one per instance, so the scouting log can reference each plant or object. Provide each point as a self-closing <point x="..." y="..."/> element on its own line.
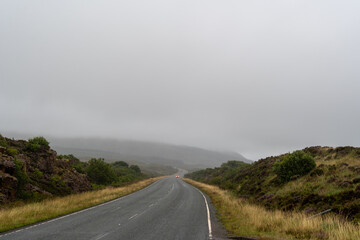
<point x="333" y="184"/>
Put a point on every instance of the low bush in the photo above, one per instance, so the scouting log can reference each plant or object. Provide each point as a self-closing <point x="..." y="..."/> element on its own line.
<point x="3" y="142"/>
<point x="100" y="172"/>
<point x="38" y="174"/>
<point x="297" y="163"/>
<point x="135" y="168"/>
<point x="75" y="162"/>
<point x="120" y="164"/>
<point x="22" y="178"/>
<point x="36" y="143"/>
<point x="13" y="152"/>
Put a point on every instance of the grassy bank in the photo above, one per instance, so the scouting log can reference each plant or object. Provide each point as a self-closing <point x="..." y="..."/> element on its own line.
<point x="34" y="212"/>
<point x="244" y="219"/>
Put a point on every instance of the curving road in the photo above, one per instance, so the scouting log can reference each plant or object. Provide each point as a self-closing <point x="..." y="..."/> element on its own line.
<point x="168" y="209"/>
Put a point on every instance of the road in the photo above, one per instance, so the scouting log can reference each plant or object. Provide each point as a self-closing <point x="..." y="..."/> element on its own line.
<point x="168" y="209"/>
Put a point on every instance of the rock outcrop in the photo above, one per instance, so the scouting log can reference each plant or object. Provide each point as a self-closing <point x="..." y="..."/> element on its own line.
<point x="29" y="174"/>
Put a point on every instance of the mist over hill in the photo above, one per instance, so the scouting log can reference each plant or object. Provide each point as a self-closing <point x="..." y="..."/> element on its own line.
<point x="145" y="152"/>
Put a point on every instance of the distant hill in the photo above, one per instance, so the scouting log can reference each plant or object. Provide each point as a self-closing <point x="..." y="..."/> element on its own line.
<point x="333" y="184"/>
<point x="144" y="152"/>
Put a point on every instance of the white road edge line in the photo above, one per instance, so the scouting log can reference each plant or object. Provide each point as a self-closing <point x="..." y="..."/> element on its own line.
<point x="73" y="213"/>
<point x="208" y="214"/>
<point x="133" y="216"/>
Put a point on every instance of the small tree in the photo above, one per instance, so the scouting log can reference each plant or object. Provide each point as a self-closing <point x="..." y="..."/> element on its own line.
<point x="296" y="163"/>
<point x="100" y="172"/>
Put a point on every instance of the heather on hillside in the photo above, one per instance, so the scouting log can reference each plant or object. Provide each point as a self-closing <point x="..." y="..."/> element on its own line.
<point x="334" y="183"/>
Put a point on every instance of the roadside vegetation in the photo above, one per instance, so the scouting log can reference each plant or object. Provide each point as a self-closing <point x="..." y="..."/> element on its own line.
<point x="102" y="174"/>
<point x="242" y="218"/>
<point x="30" y="171"/>
<point x="308" y="181"/>
<point x="14" y="217"/>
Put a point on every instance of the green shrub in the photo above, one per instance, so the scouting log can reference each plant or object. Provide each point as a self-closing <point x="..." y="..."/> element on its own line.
<point x="216" y="180"/>
<point x="57" y="181"/>
<point x="296" y="163"/>
<point x="12" y="151"/>
<point x="135" y="168"/>
<point x="3" y="142"/>
<point x="100" y="172"/>
<point x="22" y="178"/>
<point x="79" y="167"/>
<point x="74" y="162"/>
<point x="120" y="164"/>
<point x="34" y="144"/>
<point x="69" y="157"/>
<point x="97" y="186"/>
<point x="38" y="174"/>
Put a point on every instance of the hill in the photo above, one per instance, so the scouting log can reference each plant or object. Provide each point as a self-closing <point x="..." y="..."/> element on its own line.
<point x="146" y="152"/>
<point x="333" y="184"/>
<point x="147" y="166"/>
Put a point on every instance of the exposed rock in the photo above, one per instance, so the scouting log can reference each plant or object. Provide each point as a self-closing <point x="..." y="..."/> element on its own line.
<point x="33" y="188"/>
<point x="77" y="182"/>
<point x="41" y="172"/>
<point x="8" y="186"/>
<point x="3" y="150"/>
<point x="7" y="164"/>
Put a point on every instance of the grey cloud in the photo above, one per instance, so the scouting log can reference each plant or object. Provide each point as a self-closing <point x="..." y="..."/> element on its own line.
<point x="258" y="77"/>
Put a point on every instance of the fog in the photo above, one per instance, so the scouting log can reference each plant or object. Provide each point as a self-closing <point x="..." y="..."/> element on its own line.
<point x="256" y="77"/>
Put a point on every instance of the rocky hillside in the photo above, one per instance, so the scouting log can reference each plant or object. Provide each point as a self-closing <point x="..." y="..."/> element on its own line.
<point x="333" y="184"/>
<point x="31" y="170"/>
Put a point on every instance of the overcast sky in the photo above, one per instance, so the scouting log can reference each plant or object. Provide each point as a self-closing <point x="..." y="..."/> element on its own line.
<point x="258" y="77"/>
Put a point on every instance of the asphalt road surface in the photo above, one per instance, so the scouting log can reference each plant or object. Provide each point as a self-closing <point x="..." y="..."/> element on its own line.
<point x="168" y="209"/>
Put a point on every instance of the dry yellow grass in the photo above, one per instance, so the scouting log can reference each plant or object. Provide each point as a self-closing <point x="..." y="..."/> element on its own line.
<point x="34" y="212"/>
<point x="244" y="219"/>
